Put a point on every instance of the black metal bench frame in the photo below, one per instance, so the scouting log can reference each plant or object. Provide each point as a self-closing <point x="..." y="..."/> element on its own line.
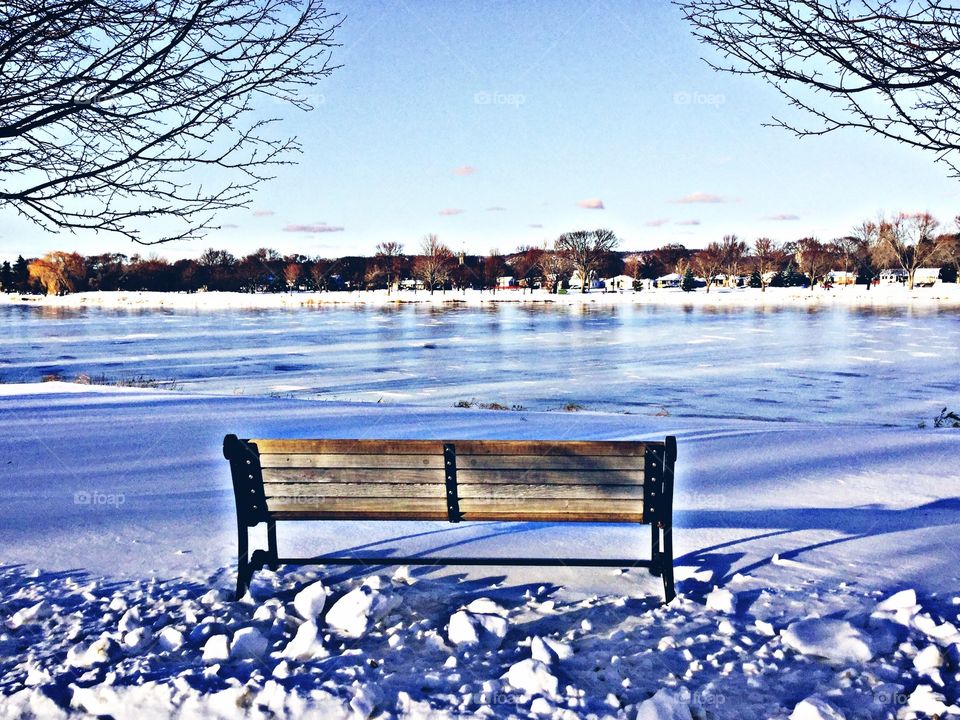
<point x="244" y="457"/>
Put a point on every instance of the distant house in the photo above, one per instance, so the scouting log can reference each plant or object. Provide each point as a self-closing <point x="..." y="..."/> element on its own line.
<point x="411" y="284"/>
<point x="671" y="280"/>
<point x="506" y="282"/>
<point x="618" y="283"/>
<point x="893" y="275"/>
<point x="926" y="277"/>
<point x="842" y="277"/>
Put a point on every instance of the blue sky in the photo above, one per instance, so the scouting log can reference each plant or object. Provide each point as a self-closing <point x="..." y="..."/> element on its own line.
<point x="501" y="124"/>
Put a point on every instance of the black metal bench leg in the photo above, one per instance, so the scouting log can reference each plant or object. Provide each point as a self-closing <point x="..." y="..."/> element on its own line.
<point x="666" y="565"/>
<point x="656" y="558"/>
<point x="274" y="561"/>
<point x="243" y="561"/>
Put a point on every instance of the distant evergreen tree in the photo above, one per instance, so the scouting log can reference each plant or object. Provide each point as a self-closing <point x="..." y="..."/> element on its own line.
<point x="755" y="280"/>
<point x="21" y="275"/>
<point x="688" y="283"/>
<point x="794" y="278"/>
<point x="6" y="277"/>
<point x="778" y="279"/>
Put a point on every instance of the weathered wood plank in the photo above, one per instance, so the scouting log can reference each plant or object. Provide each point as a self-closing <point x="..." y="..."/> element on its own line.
<point x="566" y="448"/>
<point x="349" y="447"/>
<point x="521" y="508"/>
<point x="405" y="505"/>
<point x="516" y="476"/>
<point x="385" y="491"/>
<point x="321" y="513"/>
<point x="533" y="493"/>
<point x="549" y="462"/>
<point x="533" y="515"/>
<point x="341" y="460"/>
<point x="353" y="475"/>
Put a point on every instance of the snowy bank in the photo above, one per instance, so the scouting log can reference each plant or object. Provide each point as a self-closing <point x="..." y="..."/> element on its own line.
<point x="940" y="295"/>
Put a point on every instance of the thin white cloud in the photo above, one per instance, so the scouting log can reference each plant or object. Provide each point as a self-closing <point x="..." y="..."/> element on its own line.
<point x="451" y="211"/>
<point x="782" y="217"/>
<point x="316" y="228"/>
<point x="535" y="226"/>
<point x="263" y="213"/>
<point x="591" y="204"/>
<point x="464" y="170"/>
<point x="688" y="222"/>
<point x="496" y="208"/>
<point x="229" y="226"/>
<point x="699" y="197"/>
<point x="656" y="223"/>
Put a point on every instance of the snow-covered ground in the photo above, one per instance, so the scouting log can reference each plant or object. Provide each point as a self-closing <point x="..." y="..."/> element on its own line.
<point x="888" y="295"/>
<point x="817" y="565"/>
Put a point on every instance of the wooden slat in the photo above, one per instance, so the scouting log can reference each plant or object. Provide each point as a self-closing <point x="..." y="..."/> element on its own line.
<point x="569" y="509"/>
<point x="532" y="493"/>
<point x="340" y="460"/>
<point x="550" y="477"/>
<point x="349" y="447"/>
<point x="353" y="475"/>
<point x="549" y="462"/>
<point x="534" y="515"/>
<point x="548" y="447"/>
<point x="323" y="513"/>
<point x="385" y="491"/>
<point x="384" y="506"/>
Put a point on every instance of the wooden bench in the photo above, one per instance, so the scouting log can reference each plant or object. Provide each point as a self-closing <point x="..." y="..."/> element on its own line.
<point x="454" y="480"/>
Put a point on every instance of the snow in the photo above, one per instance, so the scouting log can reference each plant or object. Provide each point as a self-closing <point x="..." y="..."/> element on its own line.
<point x="834" y="640"/>
<point x="815" y="565"/>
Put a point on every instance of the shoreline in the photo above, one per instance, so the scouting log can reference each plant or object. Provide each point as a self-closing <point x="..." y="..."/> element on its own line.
<point x="946" y="295"/>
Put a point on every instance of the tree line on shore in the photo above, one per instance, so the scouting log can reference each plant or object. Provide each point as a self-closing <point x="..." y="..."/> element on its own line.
<point x="905" y="242"/>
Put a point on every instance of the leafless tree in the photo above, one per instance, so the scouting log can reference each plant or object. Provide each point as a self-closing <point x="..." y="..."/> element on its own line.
<point x="556" y="268"/>
<point x="767" y="256"/>
<point x="145" y="118"/>
<point x="291" y="274"/>
<point x="734" y="250"/>
<point x="387" y="262"/>
<point x="586" y="251"/>
<point x="434" y="263"/>
<point x="708" y="262"/>
<point x="910" y="241"/>
<point x="813" y="258"/>
<point x="888" y="67"/>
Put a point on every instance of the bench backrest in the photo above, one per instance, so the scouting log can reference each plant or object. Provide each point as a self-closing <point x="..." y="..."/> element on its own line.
<point x="611" y="481"/>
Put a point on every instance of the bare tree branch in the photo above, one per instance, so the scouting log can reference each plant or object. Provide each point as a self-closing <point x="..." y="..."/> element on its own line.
<point x="887" y="67"/>
<point x="116" y="117"/>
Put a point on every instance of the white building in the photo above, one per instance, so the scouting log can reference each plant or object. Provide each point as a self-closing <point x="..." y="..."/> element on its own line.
<point x="842" y="277"/>
<point x="618" y="283"/>
<point x="893" y="275"/>
<point x="926" y="277"/>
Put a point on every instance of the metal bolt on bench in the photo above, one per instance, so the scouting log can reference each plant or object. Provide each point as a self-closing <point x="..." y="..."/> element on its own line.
<point x="453" y="480"/>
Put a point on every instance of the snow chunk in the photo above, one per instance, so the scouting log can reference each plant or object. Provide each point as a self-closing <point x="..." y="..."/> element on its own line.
<point x="309" y="602"/>
<point x="927" y="659"/>
<point x="28" y="615"/>
<point x="721" y="600"/>
<point x="814" y="708"/>
<point x="485" y="606"/>
<point x="354" y="613"/>
<point x="170" y="639"/>
<point x="305" y="645"/>
<point x="469" y="628"/>
<point x="96" y="652"/>
<point x="533" y="678"/>
<point x="834" y="640"/>
<point x="903" y="600"/>
<point x="932" y="704"/>
<point x="130" y="621"/>
<point x="247" y="643"/>
<point x="216" y="649"/>
<point x="664" y="705"/>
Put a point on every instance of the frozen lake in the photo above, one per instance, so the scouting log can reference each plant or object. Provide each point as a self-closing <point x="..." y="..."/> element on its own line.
<point x="869" y="366"/>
